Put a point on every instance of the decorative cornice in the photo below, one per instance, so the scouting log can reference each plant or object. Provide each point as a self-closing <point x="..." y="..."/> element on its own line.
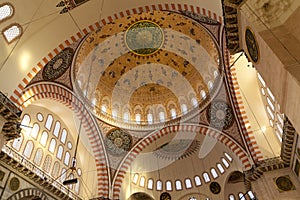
<point x="288" y="140"/>
<point x="261" y="167"/>
<point x="230" y="12"/>
<point x="11" y="128"/>
<point x="28" y="169"/>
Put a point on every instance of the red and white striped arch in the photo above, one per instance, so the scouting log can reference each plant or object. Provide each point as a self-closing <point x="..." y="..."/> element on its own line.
<point x="232" y="145"/>
<point x="29" y="193"/>
<point x="240" y="109"/>
<point x="67" y="98"/>
<point x="19" y="98"/>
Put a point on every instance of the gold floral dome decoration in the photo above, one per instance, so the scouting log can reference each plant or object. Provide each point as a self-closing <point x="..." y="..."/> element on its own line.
<point x="145" y="70"/>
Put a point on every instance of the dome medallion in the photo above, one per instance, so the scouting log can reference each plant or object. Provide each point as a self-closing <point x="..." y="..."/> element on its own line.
<point x="147" y="70"/>
<point x="144" y="38"/>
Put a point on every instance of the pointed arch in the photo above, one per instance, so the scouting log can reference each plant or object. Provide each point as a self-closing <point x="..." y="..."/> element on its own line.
<point x="65" y="96"/>
<point x="241" y="154"/>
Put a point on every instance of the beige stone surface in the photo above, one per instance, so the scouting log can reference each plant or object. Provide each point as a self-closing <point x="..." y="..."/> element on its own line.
<point x="265" y="187"/>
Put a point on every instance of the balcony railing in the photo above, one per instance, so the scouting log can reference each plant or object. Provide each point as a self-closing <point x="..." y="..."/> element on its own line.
<point x="9" y="105"/>
<point x="42" y="174"/>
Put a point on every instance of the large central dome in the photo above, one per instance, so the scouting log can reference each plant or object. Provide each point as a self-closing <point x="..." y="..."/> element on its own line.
<point x="147" y="69"/>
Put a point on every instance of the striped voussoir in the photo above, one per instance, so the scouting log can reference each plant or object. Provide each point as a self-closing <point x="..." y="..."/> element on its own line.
<point x="74" y="38"/>
<point x="240" y="110"/>
<point x="65" y="96"/>
<point x="41" y="91"/>
<point x="234" y="147"/>
<point x="29" y="192"/>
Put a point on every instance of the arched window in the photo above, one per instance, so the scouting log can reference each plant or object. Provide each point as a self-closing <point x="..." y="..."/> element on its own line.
<point x="228" y="156"/>
<point x="67" y="158"/>
<point x="114" y="113"/>
<point x="216" y="74"/>
<point x="168" y="185"/>
<point x="231" y="197"/>
<point x="126" y="117"/>
<point x="28" y="149"/>
<point x="35" y="131"/>
<point x="224" y="161"/>
<point x="60" y="152"/>
<point x="49" y="121"/>
<point x="135" y="178"/>
<point x="142" y="181"/>
<point x="150" y="118"/>
<point x="178" y="185"/>
<point x="210" y="85"/>
<point x="56" y="129"/>
<point x="161" y="116"/>
<point x="25" y="124"/>
<point x="184" y="108"/>
<point x="241" y="196"/>
<point x="103" y="108"/>
<point x="138" y="118"/>
<point x="173" y="113"/>
<point x="206" y="177"/>
<point x="77" y="187"/>
<point x="150" y="184"/>
<point x="158" y="185"/>
<point x="55" y="169"/>
<point x="38" y="156"/>
<point x="251" y="195"/>
<point x="220" y="168"/>
<point x="12" y="32"/>
<point x="63" y="136"/>
<point x="203" y="94"/>
<point x="194" y="102"/>
<point x="52" y="145"/>
<point x="261" y="80"/>
<point x="188" y="183"/>
<point x="71" y="176"/>
<point x="63" y="175"/>
<point x="6" y="11"/>
<point x="197" y="181"/>
<point x="17" y="143"/>
<point x="94" y="102"/>
<point x="47" y="163"/>
<point x="44" y="139"/>
<point x="214" y="173"/>
<point x="26" y="120"/>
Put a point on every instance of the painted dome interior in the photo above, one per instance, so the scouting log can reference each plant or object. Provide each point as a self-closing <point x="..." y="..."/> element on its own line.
<point x="141" y="70"/>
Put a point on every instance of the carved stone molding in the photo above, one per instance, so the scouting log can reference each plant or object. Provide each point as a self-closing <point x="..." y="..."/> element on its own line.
<point x="263" y="166"/>
<point x="288" y="140"/>
<point x="230" y="10"/>
<point x="265" y="12"/>
<point x="11" y="115"/>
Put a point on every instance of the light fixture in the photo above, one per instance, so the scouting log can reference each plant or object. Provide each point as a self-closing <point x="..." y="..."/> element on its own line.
<point x="70" y="181"/>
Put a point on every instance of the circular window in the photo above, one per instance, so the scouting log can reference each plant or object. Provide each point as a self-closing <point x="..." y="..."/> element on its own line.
<point x="40" y="117"/>
<point x="70" y="145"/>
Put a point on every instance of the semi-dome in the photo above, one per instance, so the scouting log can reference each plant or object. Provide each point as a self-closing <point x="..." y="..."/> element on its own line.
<point x="147" y="69"/>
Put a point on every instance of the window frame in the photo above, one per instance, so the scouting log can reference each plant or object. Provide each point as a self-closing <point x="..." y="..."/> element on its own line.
<point x="12" y="11"/>
<point x="15" y="38"/>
